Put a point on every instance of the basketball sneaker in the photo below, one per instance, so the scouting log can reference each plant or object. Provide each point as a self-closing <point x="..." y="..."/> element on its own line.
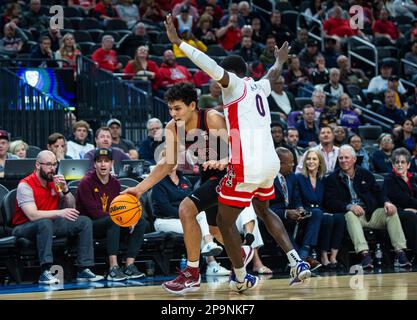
<point x="211" y="249"/>
<point x="247" y="254"/>
<point x="250" y="282"/>
<point x="300" y="272"/>
<point x="187" y="280"/>
<point x="132" y="272"/>
<point x="48" y="278"/>
<point x="116" y="274"/>
<point x="216" y="269"/>
<point x="87" y="275"/>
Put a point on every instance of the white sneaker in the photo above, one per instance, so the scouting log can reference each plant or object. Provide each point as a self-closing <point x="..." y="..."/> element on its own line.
<point x="211" y="249"/>
<point x="217" y="270"/>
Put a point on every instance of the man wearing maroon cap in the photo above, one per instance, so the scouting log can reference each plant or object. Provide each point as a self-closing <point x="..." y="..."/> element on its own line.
<point x="4" y="146"/>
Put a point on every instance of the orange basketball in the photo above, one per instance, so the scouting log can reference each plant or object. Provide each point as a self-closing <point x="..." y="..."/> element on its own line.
<point x="125" y="210"/>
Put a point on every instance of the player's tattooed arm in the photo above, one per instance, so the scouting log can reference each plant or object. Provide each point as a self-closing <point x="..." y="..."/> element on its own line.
<point x="281" y="56"/>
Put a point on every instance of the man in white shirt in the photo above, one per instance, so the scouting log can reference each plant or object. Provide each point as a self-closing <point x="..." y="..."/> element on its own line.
<point x="379" y="83"/>
<point x="78" y="147"/>
<point x="280" y="100"/>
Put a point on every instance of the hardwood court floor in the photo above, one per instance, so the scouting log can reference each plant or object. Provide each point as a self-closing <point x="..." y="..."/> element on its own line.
<point x="387" y="286"/>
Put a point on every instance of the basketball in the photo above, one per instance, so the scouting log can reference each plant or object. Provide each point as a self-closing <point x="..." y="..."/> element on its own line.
<point x="125" y="210"/>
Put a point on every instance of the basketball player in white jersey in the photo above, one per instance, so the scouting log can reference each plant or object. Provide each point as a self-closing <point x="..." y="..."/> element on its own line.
<point x="253" y="162"/>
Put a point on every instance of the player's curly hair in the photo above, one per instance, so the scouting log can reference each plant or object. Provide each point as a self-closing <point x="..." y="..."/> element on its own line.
<point x="235" y="64"/>
<point x="183" y="91"/>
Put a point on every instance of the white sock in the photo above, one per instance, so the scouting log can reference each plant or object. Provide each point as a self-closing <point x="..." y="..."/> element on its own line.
<point x="293" y="257"/>
<point x="193" y="264"/>
<point x="240" y="274"/>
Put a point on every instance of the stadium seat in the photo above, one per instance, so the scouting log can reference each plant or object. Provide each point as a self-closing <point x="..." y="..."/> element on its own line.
<point x="86" y="47"/>
<point x="116" y="24"/>
<point x="33" y="151"/>
<point x="82" y="36"/>
<point x="3" y="192"/>
<point x="89" y="23"/>
<point x="70" y="12"/>
<point x="369" y="132"/>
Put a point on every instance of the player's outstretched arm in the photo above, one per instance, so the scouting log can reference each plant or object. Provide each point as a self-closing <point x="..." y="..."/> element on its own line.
<point x="281" y="56"/>
<point x="203" y="61"/>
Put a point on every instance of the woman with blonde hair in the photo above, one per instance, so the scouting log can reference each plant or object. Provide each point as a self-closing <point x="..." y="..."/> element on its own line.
<point x="19" y="148"/>
<point x="68" y="52"/>
<point x="333" y="226"/>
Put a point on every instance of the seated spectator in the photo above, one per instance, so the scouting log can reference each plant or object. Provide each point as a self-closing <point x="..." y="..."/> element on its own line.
<point x="4" y="147"/>
<point x="350" y="75"/>
<point x="280" y="100"/>
<point x="184" y="20"/>
<point x="404" y="8"/>
<point x="35" y="19"/>
<point x="339" y="136"/>
<point x="383" y="27"/>
<point x="247" y="31"/>
<point x="247" y="13"/>
<point x="390" y="110"/>
<point x="103" y="139"/>
<point x="232" y="10"/>
<point x="267" y="57"/>
<point x="55" y="35"/>
<point x="334" y="88"/>
<point x="43" y="51"/>
<point x="68" y="52"/>
<point x="85" y="5"/>
<point x="247" y="50"/>
<point x="142" y="68"/>
<point x="327" y="148"/>
<point x="106" y="57"/>
<point x="148" y="146"/>
<point x="362" y="156"/>
<point x="379" y="83"/>
<point x="151" y="11"/>
<point x="352" y="190"/>
<point x="19" y="148"/>
<point x="319" y="74"/>
<point x="307" y="129"/>
<point x="213" y="99"/>
<point x="288" y="206"/>
<point x="348" y="117"/>
<point x="229" y="35"/>
<point x="171" y="73"/>
<point x="95" y="192"/>
<point x="12" y="44"/>
<point x="404" y="136"/>
<point x="12" y="13"/>
<point x="279" y="29"/>
<point x="105" y="11"/>
<point x="297" y="78"/>
<point x="291" y="140"/>
<point x="258" y="34"/>
<point x="183" y="5"/>
<point x="128" y="11"/>
<point x="188" y="37"/>
<point x="333" y="226"/>
<point x="381" y="159"/>
<point x="128" y="45"/>
<point x="166" y="198"/>
<point x="316" y="10"/>
<point x="57" y="144"/>
<point x="401" y="188"/>
<point x="410" y="71"/>
<point x="338" y="27"/>
<point x="308" y="55"/>
<point x="319" y="103"/>
<point x="38" y="218"/>
<point x="117" y="141"/>
<point x="400" y="100"/>
<point x="205" y="31"/>
<point x="78" y="146"/>
<point x="277" y="132"/>
<point x="300" y="43"/>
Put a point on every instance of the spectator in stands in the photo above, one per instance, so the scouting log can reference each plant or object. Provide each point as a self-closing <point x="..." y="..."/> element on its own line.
<point x="233" y="10"/>
<point x="188" y="37"/>
<point x="85" y="5"/>
<point x="319" y="74"/>
<point x="35" y="20"/>
<point x="401" y="188"/>
<point x="267" y="57"/>
<point x="184" y="20"/>
<point x="106" y="57"/>
<point x="381" y="159"/>
<point x="353" y="190"/>
<point x="331" y="51"/>
<point x="319" y="103"/>
<point x="117" y="141"/>
<point x="57" y="144"/>
<point x="68" y="52"/>
<point x="148" y="146"/>
<point x="12" y="44"/>
<point x="247" y="13"/>
<point x="405" y="8"/>
<point x="334" y="88"/>
<point x="339" y="27"/>
<point x="171" y="73"/>
<point x="277" y="132"/>
<point x="12" y="13"/>
<point x="142" y="68"/>
<point x="280" y="100"/>
<point x="201" y="78"/>
<point x="348" y="117"/>
<point x="404" y="137"/>
<point x="43" y="51"/>
<point x="205" y="31"/>
<point x="362" y="157"/>
<point x="400" y="100"/>
<point x="288" y="206"/>
<point x="191" y="9"/>
<point x="390" y="110"/>
<point x="69" y="120"/>
<point x="379" y="83"/>
<point x="333" y="226"/>
<point x="258" y="34"/>
<point x="213" y="99"/>
<point x="410" y="71"/>
<point x="350" y="75"/>
<point x="151" y="11"/>
<point x="79" y="146"/>
<point x="95" y="192"/>
<point x="301" y="42"/>
<point x="247" y="31"/>
<point x="139" y="37"/>
<point x="307" y="128"/>
<point x="4" y="147"/>
<point x="166" y="198"/>
<point x="327" y="148"/>
<point x="38" y="218"/>
<point x="105" y="11"/>
<point x="339" y="136"/>
<point x="383" y="27"/>
<point x="55" y="35"/>
<point x="230" y="34"/>
<point x="104" y="140"/>
<point x="281" y="31"/>
<point x="291" y="140"/>
<point x="297" y="78"/>
<point x="316" y="10"/>
<point x="247" y="50"/>
<point x="128" y="11"/>
<point x="19" y="148"/>
<point x="308" y="55"/>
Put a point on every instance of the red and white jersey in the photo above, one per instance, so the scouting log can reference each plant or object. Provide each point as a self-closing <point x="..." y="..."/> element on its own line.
<point x="248" y="119"/>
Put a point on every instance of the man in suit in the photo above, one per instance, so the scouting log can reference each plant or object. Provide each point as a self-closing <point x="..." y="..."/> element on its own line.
<point x="288" y="206"/>
<point x="353" y="190"/>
